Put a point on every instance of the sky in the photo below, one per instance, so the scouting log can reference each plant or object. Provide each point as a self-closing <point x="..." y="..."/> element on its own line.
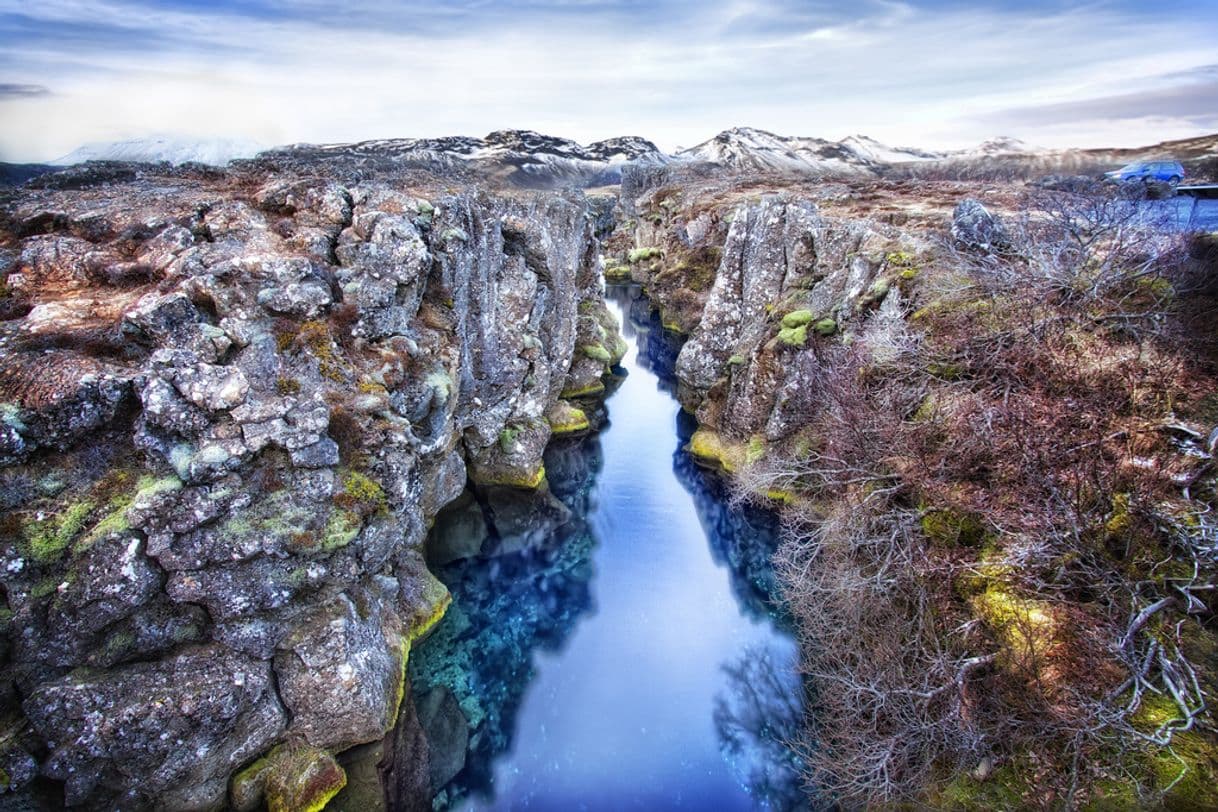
<point x="923" y="73"/>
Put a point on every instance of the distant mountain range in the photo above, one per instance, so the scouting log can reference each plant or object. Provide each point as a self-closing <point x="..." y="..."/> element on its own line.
<point x="173" y="149"/>
<point x="529" y="158"/>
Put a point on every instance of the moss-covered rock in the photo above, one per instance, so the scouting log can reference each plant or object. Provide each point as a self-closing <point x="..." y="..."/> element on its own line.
<point x="597" y="352"/>
<point x="825" y="327"/>
<point x="708" y="448"/>
<point x="566" y="419"/>
<point x="291" y="778"/>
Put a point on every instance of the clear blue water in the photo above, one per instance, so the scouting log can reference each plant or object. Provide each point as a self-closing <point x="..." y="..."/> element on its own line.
<point x="616" y="643"/>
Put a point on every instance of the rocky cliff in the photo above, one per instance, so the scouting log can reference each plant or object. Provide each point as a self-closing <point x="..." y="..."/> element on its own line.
<point x="232" y="405"/>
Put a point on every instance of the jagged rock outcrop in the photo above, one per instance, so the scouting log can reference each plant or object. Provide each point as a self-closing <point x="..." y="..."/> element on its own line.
<point x="788" y="277"/>
<point x="230" y="408"/>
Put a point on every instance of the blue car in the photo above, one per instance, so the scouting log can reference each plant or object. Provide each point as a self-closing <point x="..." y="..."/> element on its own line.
<point x="1148" y="171"/>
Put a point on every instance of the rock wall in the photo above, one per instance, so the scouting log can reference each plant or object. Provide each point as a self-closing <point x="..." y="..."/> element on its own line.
<point x="788" y="284"/>
<point x="230" y="407"/>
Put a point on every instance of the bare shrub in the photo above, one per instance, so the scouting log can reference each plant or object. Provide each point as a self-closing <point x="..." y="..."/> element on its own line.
<point x="1004" y="549"/>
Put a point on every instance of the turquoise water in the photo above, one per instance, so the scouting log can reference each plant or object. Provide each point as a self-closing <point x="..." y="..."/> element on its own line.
<point x="614" y="644"/>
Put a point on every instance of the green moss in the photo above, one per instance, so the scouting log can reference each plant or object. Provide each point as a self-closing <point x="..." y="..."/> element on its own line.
<point x="591" y="390"/>
<point x="526" y="480"/>
<point x="825" y="327"/>
<point x="507" y="439"/>
<point x="878" y="290"/>
<point x="901" y="259"/>
<point x="1120" y="519"/>
<point x="736" y="361"/>
<point x="1025" y="628"/>
<point x="616" y="272"/>
<point x="342" y="528"/>
<point x="909" y="273"/>
<point x="1189" y="765"/>
<point x="567" y="419"/>
<point x="951" y="528"/>
<point x="47" y="540"/>
<point x="1003" y="789"/>
<point x="709" y="448"/>
<point x="597" y="353"/>
<point x="794" y="336"/>
<point x="637" y="255"/>
<point x="797" y="318"/>
<point x="755" y="450"/>
<point x="945" y="371"/>
<point x="291" y="778"/>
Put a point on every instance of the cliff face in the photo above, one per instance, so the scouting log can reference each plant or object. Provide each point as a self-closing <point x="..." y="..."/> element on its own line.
<point x="232" y="404"/>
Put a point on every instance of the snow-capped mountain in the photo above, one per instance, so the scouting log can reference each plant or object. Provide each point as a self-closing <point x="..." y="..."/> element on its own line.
<point x="527" y="157"/>
<point x="752" y="149"/>
<point x="174" y="149"/>
<point x="872" y="151"/>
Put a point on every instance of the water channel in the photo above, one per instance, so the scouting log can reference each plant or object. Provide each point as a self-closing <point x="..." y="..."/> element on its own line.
<point x="615" y="643"/>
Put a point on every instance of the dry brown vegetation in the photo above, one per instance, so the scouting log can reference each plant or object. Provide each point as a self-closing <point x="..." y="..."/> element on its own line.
<point x="1004" y="557"/>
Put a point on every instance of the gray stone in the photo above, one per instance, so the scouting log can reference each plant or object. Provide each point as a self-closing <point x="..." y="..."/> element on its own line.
<point x="169" y="732"/>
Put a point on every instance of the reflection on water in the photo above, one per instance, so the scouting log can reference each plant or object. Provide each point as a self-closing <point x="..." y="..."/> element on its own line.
<point x="614" y="642"/>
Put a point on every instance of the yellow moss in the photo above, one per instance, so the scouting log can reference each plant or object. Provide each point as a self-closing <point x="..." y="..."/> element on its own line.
<point x="1121" y="519"/>
<point x="794" y="336"/>
<point x="361" y="494"/>
<point x="797" y="318"/>
<point x="951" y="528"/>
<point x="708" y="448"/>
<point x="566" y="419"/>
<point x="1024" y="627"/>
<point x="591" y="390"/>
<point x="528" y="481"/>
<point x="597" y="353"/>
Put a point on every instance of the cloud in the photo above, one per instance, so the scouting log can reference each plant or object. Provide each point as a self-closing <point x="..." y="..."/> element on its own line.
<point x="14" y="90"/>
<point x="676" y="71"/>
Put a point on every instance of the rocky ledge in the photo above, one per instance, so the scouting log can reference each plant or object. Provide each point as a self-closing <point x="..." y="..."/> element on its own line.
<point x="231" y="405"/>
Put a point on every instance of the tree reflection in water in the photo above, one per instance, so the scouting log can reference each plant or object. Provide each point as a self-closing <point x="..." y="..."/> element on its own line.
<point x="757" y="717"/>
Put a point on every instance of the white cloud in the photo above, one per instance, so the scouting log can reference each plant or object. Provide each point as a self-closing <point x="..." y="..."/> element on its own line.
<point x="901" y="74"/>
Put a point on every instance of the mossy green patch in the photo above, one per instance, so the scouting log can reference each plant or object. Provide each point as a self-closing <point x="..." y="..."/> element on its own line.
<point x="293" y="777"/>
<point x="825" y="327"/>
<point x="794" y="336"/>
<point x="643" y="254"/>
<point x="1189" y="765"/>
<point x="951" y="528"/>
<point x="507" y="438"/>
<point x="47" y="539"/>
<point x="526" y="480"/>
<point x="567" y="419"/>
<point x="594" y="389"/>
<point x="709" y="448"/>
<point x="342" y="527"/>
<point x="797" y="318"/>
<point x="1003" y="789"/>
<point x="597" y="353"/>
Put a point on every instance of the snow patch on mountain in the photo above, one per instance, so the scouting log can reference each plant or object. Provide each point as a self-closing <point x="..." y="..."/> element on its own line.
<point x="173" y="149"/>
